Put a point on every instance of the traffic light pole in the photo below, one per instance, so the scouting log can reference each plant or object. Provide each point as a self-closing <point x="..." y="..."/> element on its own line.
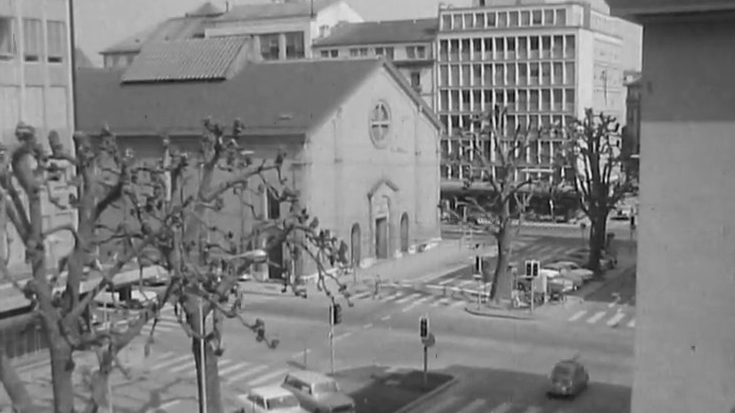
<point x="331" y="347"/>
<point x="426" y="366"/>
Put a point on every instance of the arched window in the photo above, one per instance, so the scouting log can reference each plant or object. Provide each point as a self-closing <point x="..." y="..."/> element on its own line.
<point x="380" y="121"/>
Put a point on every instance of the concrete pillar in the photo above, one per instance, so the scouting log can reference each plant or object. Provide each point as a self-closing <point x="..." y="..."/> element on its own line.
<point x="281" y="46"/>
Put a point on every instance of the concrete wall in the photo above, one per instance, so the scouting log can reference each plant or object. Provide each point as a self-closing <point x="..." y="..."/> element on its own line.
<point x="344" y="161"/>
<point x="37" y="92"/>
<point x="685" y="336"/>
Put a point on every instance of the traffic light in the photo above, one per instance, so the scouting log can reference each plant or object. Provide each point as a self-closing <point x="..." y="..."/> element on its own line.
<point x="478" y="264"/>
<point x="529" y="268"/>
<point x="424" y="327"/>
<point x="534" y="268"/>
<point x="335" y="314"/>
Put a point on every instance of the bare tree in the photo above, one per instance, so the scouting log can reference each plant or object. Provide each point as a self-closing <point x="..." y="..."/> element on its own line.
<point x="204" y="259"/>
<point x="66" y="317"/>
<point x="495" y="174"/>
<point x="592" y="148"/>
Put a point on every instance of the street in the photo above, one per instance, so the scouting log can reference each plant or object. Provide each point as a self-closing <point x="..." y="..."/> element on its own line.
<point x="502" y="365"/>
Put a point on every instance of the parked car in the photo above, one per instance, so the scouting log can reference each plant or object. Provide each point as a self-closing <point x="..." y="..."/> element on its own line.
<point x="270" y="399"/>
<point x="318" y="393"/>
<point x="568" y="378"/>
<point x="574" y="268"/>
<point x="576" y="279"/>
<point x="556" y="281"/>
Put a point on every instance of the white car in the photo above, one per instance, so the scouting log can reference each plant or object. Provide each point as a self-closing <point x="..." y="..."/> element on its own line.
<point x="553" y="277"/>
<point x="270" y="399"/>
<point x="575" y="269"/>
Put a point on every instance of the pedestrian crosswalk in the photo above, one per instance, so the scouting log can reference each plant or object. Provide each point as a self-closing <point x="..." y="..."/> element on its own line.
<point x="610" y="318"/>
<point x="456" y="404"/>
<point x="236" y="372"/>
<point x="410" y="298"/>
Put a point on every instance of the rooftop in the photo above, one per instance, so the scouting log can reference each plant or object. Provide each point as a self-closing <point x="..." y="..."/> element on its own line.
<point x="598" y="5"/>
<point x="281" y="10"/>
<point x="651" y="7"/>
<point x="191" y="59"/>
<point x="382" y="32"/>
<point x="284" y="98"/>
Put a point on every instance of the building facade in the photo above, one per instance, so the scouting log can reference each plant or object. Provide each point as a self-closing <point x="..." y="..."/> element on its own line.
<point x="685" y="332"/>
<point x="35" y="88"/>
<point x="545" y="62"/>
<point x="408" y="44"/>
<point x="284" y="29"/>
<point x="362" y="145"/>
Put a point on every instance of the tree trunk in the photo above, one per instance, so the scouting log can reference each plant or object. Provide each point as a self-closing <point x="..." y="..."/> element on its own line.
<point x="209" y="365"/>
<point x="501" y="283"/>
<point x="598" y="233"/>
<point x="62" y="367"/>
<point x="14" y="387"/>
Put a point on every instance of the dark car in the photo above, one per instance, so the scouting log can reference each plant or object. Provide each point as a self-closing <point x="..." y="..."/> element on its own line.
<point x="568" y="379"/>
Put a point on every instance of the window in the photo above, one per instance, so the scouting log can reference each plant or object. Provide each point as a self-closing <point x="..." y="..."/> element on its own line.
<point x="379" y="123"/>
<point x="272" y="206"/>
<point x="525" y="18"/>
<point x="446" y="22"/>
<point x="491" y="19"/>
<point x="325" y="53"/>
<point x="364" y="51"/>
<point x="480" y="20"/>
<point x="323" y="30"/>
<point x="56" y="41"/>
<point x="354" y="52"/>
<point x="503" y="19"/>
<point x="416" y="52"/>
<point x="537" y="16"/>
<point x="388" y="52"/>
<point x="561" y="17"/>
<point x="548" y="17"/>
<point x="444" y="75"/>
<point x="416" y="81"/>
<point x="295" y="45"/>
<point x="269" y="46"/>
<point x="444" y="100"/>
<point x="32" y="39"/>
<point x="457" y="22"/>
<point x="443" y="50"/>
<point x="334" y="53"/>
<point x="7" y="37"/>
<point x="513" y="19"/>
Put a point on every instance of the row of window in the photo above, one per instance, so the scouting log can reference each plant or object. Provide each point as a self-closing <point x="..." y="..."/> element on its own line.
<point x="508" y="48"/>
<point x="462" y="172"/>
<point x="412" y="52"/>
<point x="517" y="100"/>
<point x="466" y="150"/>
<point x="36" y="47"/>
<point x="503" y="19"/>
<point x="510" y="74"/>
<point x="270" y="46"/>
<point x="456" y="124"/>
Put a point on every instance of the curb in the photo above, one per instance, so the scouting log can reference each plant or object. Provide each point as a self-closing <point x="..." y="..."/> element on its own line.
<point x="498" y="315"/>
<point x="441" y="389"/>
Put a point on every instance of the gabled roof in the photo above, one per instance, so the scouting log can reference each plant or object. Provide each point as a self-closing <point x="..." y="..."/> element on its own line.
<point x="176" y="28"/>
<point x="192" y="59"/>
<point x="280" y="10"/>
<point x="279" y="98"/>
<point x="382" y="32"/>
<point x="651" y="7"/>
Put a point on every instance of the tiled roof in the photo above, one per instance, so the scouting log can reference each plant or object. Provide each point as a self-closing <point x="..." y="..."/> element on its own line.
<point x="381" y="32"/>
<point x="640" y="7"/>
<point x="280" y="97"/>
<point x="193" y="59"/>
<point x="293" y="8"/>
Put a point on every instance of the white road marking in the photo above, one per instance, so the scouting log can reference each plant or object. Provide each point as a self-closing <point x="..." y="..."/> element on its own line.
<point x="467" y="283"/>
<point x="163" y="406"/>
<point x="301" y="353"/>
<point x="408" y="298"/>
<point x="579" y="314"/>
<point x="185" y="366"/>
<point x="392" y="296"/>
<point x="343" y="336"/>
<point x="537" y="253"/>
<point x="267" y="377"/>
<point x="533" y="409"/>
<point x="384" y="318"/>
<point x="368" y="325"/>
<point x="443" y="301"/>
<point x="170" y="362"/>
<point x="441" y="405"/>
<point x="473" y="407"/>
<point x="631" y="324"/>
<point x="615" y="319"/>
<point x="447" y="281"/>
<point x="595" y="318"/>
<point x="233" y="367"/>
<point x="247" y="373"/>
<point x="503" y="408"/>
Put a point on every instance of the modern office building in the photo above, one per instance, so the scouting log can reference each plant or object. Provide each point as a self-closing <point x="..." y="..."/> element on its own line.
<point x="544" y="61"/>
<point x="35" y="88"/>
<point x="685" y="332"/>
<point x="409" y="44"/>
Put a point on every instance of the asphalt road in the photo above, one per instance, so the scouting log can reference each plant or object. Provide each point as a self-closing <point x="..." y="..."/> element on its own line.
<point x="620" y="228"/>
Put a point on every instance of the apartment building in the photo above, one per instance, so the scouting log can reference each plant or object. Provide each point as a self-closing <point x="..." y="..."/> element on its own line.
<point x="284" y="29"/>
<point x="35" y="88"/>
<point x="408" y="44"/>
<point x="545" y="62"/>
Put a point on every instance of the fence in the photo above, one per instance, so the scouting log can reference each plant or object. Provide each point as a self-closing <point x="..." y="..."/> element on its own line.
<point x="22" y="335"/>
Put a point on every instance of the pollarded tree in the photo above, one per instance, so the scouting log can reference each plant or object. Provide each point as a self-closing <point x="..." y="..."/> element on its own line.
<point x="496" y="170"/>
<point x="31" y="171"/>
<point x="592" y="148"/>
<point x="204" y="257"/>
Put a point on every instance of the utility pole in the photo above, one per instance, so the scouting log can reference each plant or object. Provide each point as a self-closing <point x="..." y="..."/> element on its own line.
<point x="202" y="358"/>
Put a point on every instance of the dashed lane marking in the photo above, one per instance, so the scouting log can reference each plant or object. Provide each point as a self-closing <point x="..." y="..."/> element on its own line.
<point x="579" y="314"/>
<point x="170" y="362"/>
<point x="631" y="324"/>
<point x="233" y="367"/>
<point x="408" y="298"/>
<point x="368" y="325"/>
<point x="384" y="318"/>
<point x="615" y="319"/>
<point x="595" y="318"/>
<point x="342" y="336"/>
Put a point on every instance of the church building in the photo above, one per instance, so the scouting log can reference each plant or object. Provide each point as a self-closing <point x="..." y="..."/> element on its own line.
<point x="362" y="145"/>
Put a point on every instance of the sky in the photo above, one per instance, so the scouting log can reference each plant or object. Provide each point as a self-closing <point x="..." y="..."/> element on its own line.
<point x="101" y="23"/>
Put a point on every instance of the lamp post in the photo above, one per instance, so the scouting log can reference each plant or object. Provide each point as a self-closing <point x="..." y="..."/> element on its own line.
<point x="202" y="360"/>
